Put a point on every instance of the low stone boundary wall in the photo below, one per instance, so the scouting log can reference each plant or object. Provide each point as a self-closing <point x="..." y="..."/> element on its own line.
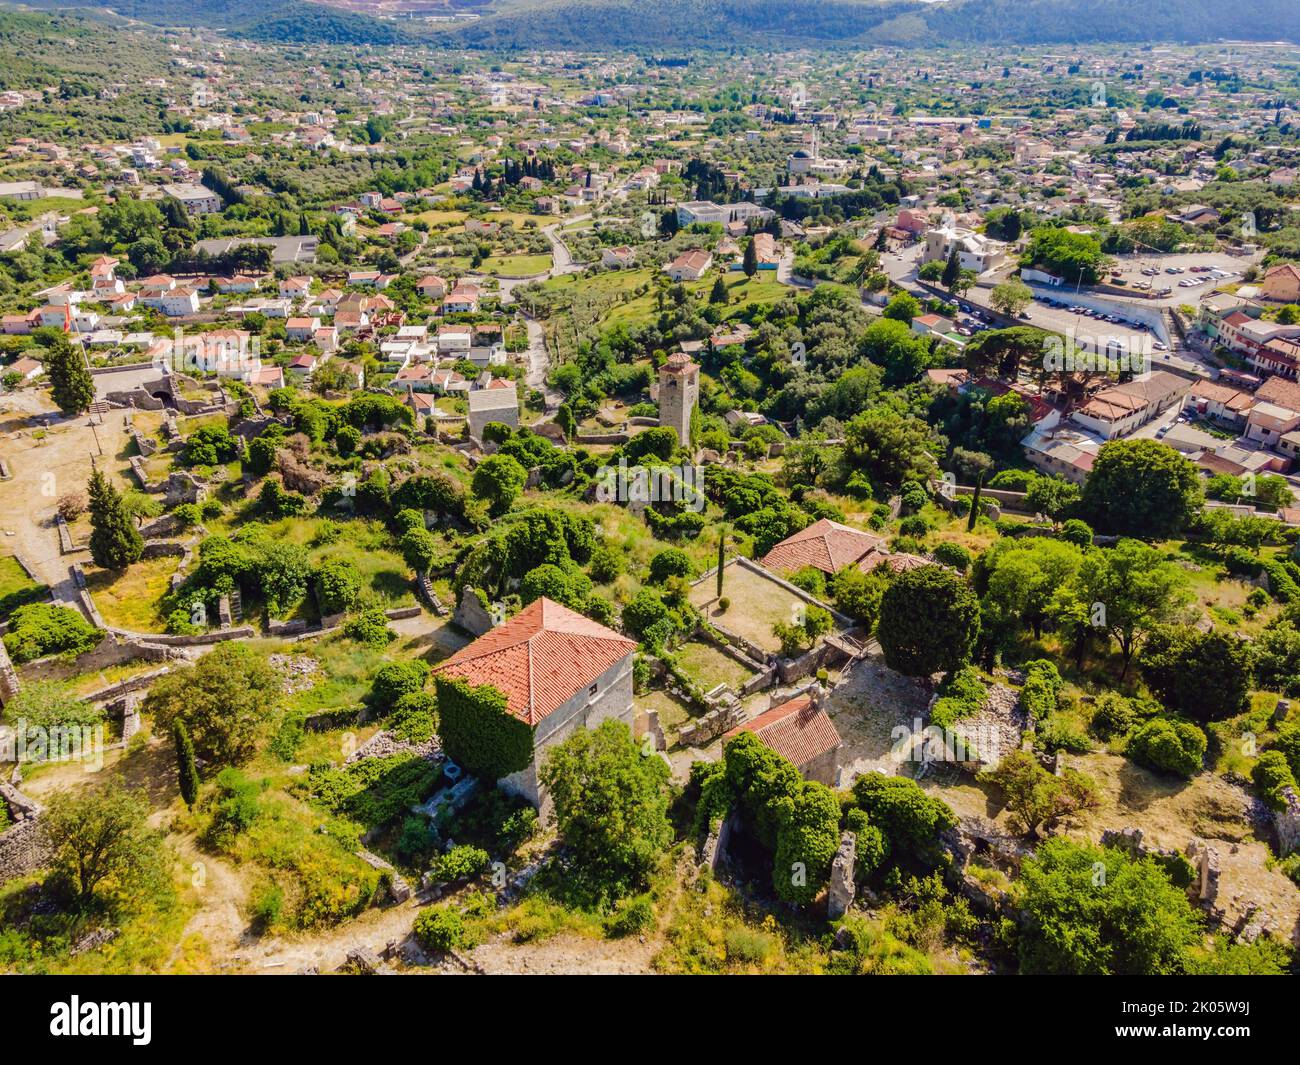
<point x="111" y="651"/>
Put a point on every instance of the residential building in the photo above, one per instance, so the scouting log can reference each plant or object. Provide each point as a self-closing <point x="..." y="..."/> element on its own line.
<point x="196" y="199"/>
<point x="559" y="672"/>
<point x="492" y="405"/>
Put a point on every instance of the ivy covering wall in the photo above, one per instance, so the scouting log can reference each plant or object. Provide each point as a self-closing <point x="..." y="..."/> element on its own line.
<point x="478" y="732"/>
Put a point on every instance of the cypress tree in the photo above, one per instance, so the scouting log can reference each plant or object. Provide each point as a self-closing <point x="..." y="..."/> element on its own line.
<point x="751" y="259"/>
<point x="722" y="557"/>
<point x="70" y="381"/>
<point x="186" y="769"/>
<point x="951" y="270"/>
<point x="115" y="542"/>
<point x="975" y="503"/>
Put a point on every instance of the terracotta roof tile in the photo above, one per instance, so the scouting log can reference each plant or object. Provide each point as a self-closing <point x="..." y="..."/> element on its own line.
<point x="825" y="544"/>
<point x="796" y="730"/>
<point x="540" y="658"/>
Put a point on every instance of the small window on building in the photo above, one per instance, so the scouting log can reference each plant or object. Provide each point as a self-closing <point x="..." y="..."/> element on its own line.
<point x="591" y="690"/>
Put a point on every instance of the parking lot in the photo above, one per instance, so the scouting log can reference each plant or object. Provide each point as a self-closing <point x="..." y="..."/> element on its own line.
<point x="1073" y="319"/>
<point x="1188" y="277"/>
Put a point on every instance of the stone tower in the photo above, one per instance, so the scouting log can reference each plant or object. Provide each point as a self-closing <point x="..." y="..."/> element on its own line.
<point x="679" y="391"/>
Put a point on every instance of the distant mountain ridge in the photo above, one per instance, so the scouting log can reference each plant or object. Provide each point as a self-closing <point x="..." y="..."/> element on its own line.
<point x="681" y="25"/>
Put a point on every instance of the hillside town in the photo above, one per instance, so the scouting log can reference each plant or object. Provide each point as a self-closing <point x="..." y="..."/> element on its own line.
<point x="568" y="512"/>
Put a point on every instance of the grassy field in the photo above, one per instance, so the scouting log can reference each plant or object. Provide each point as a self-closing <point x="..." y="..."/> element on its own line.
<point x="757" y="603"/>
<point x="16" y="588"/>
<point x="132" y="599"/>
<point x="710" y="667"/>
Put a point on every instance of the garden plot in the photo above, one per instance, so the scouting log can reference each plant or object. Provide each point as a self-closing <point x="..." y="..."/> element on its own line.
<point x="710" y="667"/>
<point x="755" y="603"/>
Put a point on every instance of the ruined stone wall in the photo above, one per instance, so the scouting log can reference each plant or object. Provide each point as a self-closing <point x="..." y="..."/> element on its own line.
<point x="24" y="846"/>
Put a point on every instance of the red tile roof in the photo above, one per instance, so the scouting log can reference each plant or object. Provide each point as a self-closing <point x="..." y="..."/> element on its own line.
<point x="796" y="730"/>
<point x="540" y="658"/>
<point x="825" y="544"/>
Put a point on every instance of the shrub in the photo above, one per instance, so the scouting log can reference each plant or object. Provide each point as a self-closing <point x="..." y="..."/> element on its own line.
<point x="606" y="565"/>
<point x="631" y="917"/>
<point x="1169" y="746"/>
<point x="347" y="439"/>
<point x="459" y="863"/>
<point x="40" y="629"/>
<point x="373" y="791"/>
<point x="371" y="628"/>
<point x="915" y="526"/>
<point x="1077" y="532"/>
<point x="1042" y="688"/>
<point x="395" y="680"/>
<point x="1272" y="776"/>
<point x="235" y="806"/>
<point x="439" y="928"/>
<point x="962" y="696"/>
<point x="910" y="819"/>
<point x="266" y="907"/>
<point x="810" y="579"/>
<point x="338" y="586"/>
<point x="1114" y="715"/>
<point x="954" y="555"/>
<point x="414" y="717"/>
<point x="670" y="562"/>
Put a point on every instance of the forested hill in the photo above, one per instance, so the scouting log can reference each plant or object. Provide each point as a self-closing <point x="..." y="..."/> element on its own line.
<point x="682" y="24"/>
<point x="275" y="21"/>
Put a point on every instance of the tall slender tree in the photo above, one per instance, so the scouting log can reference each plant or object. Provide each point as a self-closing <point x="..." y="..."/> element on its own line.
<point x="115" y="542"/>
<point x="70" y="381"/>
<point x="186" y="768"/>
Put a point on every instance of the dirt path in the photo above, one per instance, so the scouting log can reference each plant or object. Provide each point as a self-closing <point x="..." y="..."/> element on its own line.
<point x="45" y="466"/>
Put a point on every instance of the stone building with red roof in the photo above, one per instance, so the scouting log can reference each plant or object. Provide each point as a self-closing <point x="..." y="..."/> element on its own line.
<point x="802" y="733"/>
<point x="558" y="670"/>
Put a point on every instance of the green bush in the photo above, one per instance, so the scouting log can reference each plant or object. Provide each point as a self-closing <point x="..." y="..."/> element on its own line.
<point x="414" y="717"/>
<point x="266" y="907"/>
<point x="370" y="627"/>
<point x="670" y="562"/>
<point x="1042" y="688"/>
<point x="395" y="680"/>
<point x="338" y="586"/>
<point x="235" y="806"/>
<point x="961" y="696"/>
<point x="1170" y="746"/>
<point x="1272" y="775"/>
<point x="373" y="791"/>
<point x="1077" y="532"/>
<point x="1113" y="715"/>
<point x="631" y="916"/>
<point x="951" y="554"/>
<point x="606" y="565"/>
<point x="459" y="863"/>
<point x="439" y="928"/>
<point x="40" y="629"/>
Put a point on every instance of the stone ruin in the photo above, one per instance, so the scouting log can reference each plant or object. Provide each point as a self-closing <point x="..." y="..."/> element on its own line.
<point x="842" y="886"/>
<point x="1286" y="823"/>
<point x="23" y="845"/>
<point x="471" y="615"/>
<point x="706" y="728"/>
<point x="1204" y="860"/>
